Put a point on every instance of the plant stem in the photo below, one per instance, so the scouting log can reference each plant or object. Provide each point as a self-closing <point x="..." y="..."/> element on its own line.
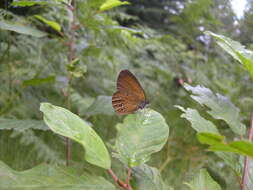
<point x="126" y="185"/>
<point x="71" y="56"/>
<point x="246" y="161"/>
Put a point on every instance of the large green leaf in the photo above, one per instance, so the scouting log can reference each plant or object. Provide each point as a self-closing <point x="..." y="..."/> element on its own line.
<point x="22" y="124"/>
<point x="148" y="178"/>
<point x="50" y="177"/>
<point x="199" y="123"/>
<point x="65" y="123"/>
<point x="20" y="28"/>
<point x="203" y="181"/>
<point x="217" y="143"/>
<point x="221" y="107"/>
<point x="236" y="50"/>
<point x="140" y="135"/>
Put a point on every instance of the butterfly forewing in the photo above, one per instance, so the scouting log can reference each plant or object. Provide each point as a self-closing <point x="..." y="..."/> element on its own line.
<point x="130" y="94"/>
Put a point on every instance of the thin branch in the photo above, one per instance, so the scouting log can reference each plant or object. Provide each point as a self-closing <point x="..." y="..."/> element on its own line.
<point x="246" y="161"/>
<point x="118" y="181"/>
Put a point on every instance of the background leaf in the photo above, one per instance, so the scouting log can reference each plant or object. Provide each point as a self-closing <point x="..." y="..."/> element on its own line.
<point x="65" y="123"/>
<point x="146" y="177"/>
<point x="22" y="29"/>
<point x="50" y="177"/>
<point x="236" y="50"/>
<point x="203" y="181"/>
<point x="141" y="135"/>
<point x="221" y="107"/>
<point x="22" y="125"/>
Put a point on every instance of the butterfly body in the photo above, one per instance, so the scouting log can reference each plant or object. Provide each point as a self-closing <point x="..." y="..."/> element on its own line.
<point x="130" y="96"/>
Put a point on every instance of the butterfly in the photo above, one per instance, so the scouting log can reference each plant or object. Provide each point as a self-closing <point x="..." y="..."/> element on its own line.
<point x="130" y="96"/>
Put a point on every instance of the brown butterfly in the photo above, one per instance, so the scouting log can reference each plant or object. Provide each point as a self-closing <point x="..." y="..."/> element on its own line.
<point x="130" y="96"/>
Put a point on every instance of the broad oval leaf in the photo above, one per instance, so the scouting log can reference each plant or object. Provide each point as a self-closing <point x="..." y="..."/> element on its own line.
<point x="65" y="123"/>
<point x="50" y="177"/>
<point x="140" y="135"/>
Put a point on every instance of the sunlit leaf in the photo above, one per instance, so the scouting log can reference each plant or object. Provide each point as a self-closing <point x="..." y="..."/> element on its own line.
<point x="50" y="177"/>
<point x="50" y="23"/>
<point x="65" y="123"/>
<point x="148" y="178"/>
<point x="217" y="143"/>
<point x="29" y="3"/>
<point x="236" y="50"/>
<point x="22" y="29"/>
<point x="221" y="107"/>
<point x="203" y="181"/>
<point x="39" y="81"/>
<point x="140" y="135"/>
<point x="109" y="4"/>
<point x="199" y="123"/>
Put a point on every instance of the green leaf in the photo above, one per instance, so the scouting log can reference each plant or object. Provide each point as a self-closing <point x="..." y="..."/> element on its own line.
<point x="148" y="178"/>
<point x="109" y="4"/>
<point x="140" y="135"/>
<point x="65" y="123"/>
<point x="210" y="138"/>
<point x="22" y="29"/>
<point x="50" y="177"/>
<point x="203" y="181"/>
<point x="198" y="123"/>
<point x="29" y="3"/>
<point x="236" y="50"/>
<point x="217" y="144"/>
<point x="22" y="125"/>
<point x="52" y="24"/>
<point x="39" y="81"/>
<point x="221" y="107"/>
<point x="102" y="105"/>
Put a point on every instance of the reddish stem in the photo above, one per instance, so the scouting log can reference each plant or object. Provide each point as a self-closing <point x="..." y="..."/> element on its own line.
<point x="246" y="161"/>
<point x="119" y="182"/>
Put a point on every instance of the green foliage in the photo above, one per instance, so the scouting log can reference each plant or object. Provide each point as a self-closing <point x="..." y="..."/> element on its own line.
<point x="65" y="123"/>
<point x="217" y="144"/>
<point x="236" y="50"/>
<point x="203" y="181"/>
<point x="51" y="177"/>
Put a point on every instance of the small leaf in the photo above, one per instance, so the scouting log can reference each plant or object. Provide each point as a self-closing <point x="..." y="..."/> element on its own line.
<point x="109" y="4"/>
<point x="217" y="144"/>
<point x="65" y="123"/>
<point x="210" y="138"/>
<point x="39" y="81"/>
<point x="148" y="178"/>
<point x="22" y="29"/>
<point x="140" y="135"/>
<point x="50" y="177"/>
<point x="102" y="105"/>
<point x="203" y="181"/>
<point x="236" y="50"/>
<point x="199" y="123"/>
<point x="52" y="24"/>
<point x="221" y="107"/>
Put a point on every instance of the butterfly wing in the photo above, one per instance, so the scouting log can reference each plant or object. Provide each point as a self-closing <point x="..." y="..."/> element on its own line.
<point x="129" y="95"/>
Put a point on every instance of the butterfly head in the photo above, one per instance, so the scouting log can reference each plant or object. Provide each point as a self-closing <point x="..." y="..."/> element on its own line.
<point x="143" y="104"/>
